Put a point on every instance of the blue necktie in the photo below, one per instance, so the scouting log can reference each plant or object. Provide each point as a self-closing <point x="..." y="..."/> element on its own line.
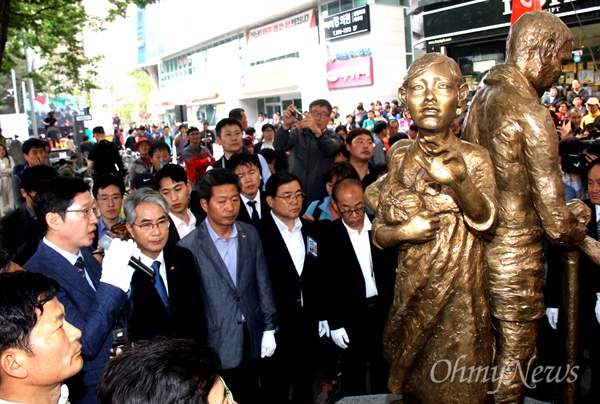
<point x="80" y="266"/>
<point x="255" y="217"/>
<point x="159" y="284"/>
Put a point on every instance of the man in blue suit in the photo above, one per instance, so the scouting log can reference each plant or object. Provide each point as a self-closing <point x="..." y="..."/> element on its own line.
<point x="91" y="294"/>
<point x="236" y="288"/>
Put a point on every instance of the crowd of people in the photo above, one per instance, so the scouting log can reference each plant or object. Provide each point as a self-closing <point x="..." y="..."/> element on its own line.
<point x="188" y="278"/>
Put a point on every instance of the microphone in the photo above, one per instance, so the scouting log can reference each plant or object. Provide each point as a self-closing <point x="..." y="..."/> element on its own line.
<point x="134" y="263"/>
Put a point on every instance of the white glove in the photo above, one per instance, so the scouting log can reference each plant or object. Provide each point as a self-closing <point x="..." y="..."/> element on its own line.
<point x="268" y="344"/>
<point x="323" y="328"/>
<point x="552" y="314"/>
<point x="115" y="266"/>
<point x="340" y="337"/>
<point x="598" y="307"/>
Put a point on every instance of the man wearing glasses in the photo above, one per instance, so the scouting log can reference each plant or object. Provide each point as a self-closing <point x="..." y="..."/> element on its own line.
<point x="170" y="304"/>
<point x="91" y="294"/>
<point x="291" y="252"/>
<point x="360" y="279"/>
<point x="313" y="147"/>
<point x="108" y="191"/>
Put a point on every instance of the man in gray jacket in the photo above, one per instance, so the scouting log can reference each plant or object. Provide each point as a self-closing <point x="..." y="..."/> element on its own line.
<point x="313" y="147"/>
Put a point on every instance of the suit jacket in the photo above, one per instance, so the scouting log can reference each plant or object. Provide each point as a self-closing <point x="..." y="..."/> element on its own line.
<point x="286" y="282"/>
<point x="149" y="317"/>
<point x="19" y="235"/>
<point x="244" y="216"/>
<point x="93" y="312"/>
<point x="344" y="279"/>
<point x="174" y="234"/>
<point x="224" y="302"/>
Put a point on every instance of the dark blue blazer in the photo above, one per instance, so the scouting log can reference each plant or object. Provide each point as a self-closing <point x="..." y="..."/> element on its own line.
<point x="93" y="312"/>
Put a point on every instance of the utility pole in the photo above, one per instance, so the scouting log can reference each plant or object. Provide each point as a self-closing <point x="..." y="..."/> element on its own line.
<point x="32" y="114"/>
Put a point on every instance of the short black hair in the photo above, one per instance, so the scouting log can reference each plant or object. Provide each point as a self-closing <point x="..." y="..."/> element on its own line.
<point x="380" y="126"/>
<point x="340" y="170"/>
<point x="21" y="293"/>
<point x="236" y="113"/>
<point x="182" y="126"/>
<point x="243" y="158"/>
<point x="215" y="178"/>
<point x="278" y="179"/>
<point x="344" y="183"/>
<point x="56" y="197"/>
<point x="160" y="371"/>
<point x="106" y="180"/>
<point x="32" y="143"/>
<point x="226" y="122"/>
<point x="591" y="165"/>
<point x="173" y="171"/>
<point x="159" y="145"/>
<point x="357" y="132"/>
<point x="320" y="103"/>
<point x="192" y="129"/>
<point x="267" y="126"/>
<point x="250" y="131"/>
<point x="98" y="129"/>
<point x="34" y="178"/>
<point x="5" y="261"/>
<point x="413" y="127"/>
<point x="268" y="154"/>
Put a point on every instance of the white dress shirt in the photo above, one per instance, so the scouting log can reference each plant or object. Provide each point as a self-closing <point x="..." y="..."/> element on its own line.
<point x="182" y="228"/>
<point x="295" y="244"/>
<point x="163" y="267"/>
<point x="362" y="249"/>
<point x="257" y="206"/>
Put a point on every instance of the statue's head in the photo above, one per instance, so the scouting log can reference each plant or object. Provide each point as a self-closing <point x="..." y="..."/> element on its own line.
<point x="539" y="43"/>
<point x="434" y="91"/>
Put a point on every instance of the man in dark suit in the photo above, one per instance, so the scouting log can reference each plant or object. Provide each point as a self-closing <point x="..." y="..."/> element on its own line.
<point x="290" y="247"/>
<point x="236" y="287"/>
<point x="229" y="137"/>
<point x="253" y="201"/>
<point x="360" y="279"/>
<point x="92" y="294"/>
<point x="172" y="304"/>
<point x="207" y="137"/>
<point x="19" y="231"/>
<point x="172" y="183"/>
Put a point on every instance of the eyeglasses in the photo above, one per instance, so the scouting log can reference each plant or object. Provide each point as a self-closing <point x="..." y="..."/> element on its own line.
<point x="148" y="227"/>
<point x="321" y="114"/>
<point x="228" y="393"/>
<point x="290" y="198"/>
<point x="86" y="212"/>
<point x="348" y="213"/>
<point x="104" y="200"/>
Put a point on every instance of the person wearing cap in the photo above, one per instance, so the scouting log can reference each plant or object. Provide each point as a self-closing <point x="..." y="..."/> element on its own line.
<point x="144" y="162"/>
<point x="104" y="157"/>
<point x="593" y="106"/>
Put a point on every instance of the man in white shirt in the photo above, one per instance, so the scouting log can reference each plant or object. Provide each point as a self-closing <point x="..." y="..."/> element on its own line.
<point x="39" y="347"/>
<point x="172" y="183"/>
<point x="170" y="303"/>
<point x="255" y="207"/>
<point x="360" y="279"/>
<point x="290" y="247"/>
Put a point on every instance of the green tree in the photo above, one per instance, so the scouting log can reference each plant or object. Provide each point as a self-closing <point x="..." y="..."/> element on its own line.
<point x="52" y="28"/>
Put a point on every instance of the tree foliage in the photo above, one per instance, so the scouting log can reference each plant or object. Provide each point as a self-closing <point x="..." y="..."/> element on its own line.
<point x="52" y="29"/>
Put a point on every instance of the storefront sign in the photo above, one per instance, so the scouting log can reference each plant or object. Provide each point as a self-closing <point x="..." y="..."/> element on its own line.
<point x="486" y="18"/>
<point x="279" y="38"/>
<point x="347" y="23"/>
<point x="350" y="73"/>
<point x="349" y="55"/>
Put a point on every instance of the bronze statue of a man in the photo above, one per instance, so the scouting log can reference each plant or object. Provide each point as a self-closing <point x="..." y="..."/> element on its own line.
<point x="507" y="119"/>
<point x="436" y="204"/>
